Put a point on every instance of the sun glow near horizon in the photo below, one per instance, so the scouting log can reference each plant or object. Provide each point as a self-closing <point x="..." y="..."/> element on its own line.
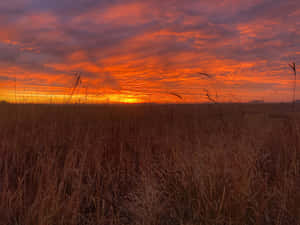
<point x="47" y="98"/>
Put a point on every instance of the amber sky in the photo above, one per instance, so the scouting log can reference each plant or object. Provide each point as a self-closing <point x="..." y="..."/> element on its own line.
<point x="137" y="51"/>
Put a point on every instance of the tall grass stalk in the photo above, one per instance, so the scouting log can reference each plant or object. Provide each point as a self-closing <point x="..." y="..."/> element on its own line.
<point x="293" y="67"/>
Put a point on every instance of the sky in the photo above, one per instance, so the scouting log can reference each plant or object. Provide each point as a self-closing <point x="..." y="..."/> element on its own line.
<point x="148" y="51"/>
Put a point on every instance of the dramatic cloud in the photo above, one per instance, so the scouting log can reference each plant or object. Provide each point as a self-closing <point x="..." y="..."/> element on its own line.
<point x="136" y="51"/>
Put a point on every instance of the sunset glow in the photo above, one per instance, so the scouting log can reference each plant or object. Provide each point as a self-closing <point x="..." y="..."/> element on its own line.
<point x="141" y="51"/>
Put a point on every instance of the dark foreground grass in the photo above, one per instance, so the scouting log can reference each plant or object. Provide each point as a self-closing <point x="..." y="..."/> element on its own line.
<point x="149" y="164"/>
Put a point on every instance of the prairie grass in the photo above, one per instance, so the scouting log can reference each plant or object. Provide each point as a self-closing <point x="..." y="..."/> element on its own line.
<point x="149" y="164"/>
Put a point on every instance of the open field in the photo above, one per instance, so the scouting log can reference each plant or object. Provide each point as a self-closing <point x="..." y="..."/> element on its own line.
<point x="149" y="164"/>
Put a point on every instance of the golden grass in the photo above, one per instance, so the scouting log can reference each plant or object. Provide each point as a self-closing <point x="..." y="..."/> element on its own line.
<point x="147" y="164"/>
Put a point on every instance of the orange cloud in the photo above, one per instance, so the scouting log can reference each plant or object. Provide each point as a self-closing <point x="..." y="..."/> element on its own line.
<point x="133" y="51"/>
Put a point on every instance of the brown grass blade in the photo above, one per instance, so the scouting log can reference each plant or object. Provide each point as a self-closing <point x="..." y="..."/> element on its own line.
<point x="175" y="94"/>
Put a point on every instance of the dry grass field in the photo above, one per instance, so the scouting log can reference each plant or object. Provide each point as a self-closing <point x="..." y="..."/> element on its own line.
<point x="231" y="164"/>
